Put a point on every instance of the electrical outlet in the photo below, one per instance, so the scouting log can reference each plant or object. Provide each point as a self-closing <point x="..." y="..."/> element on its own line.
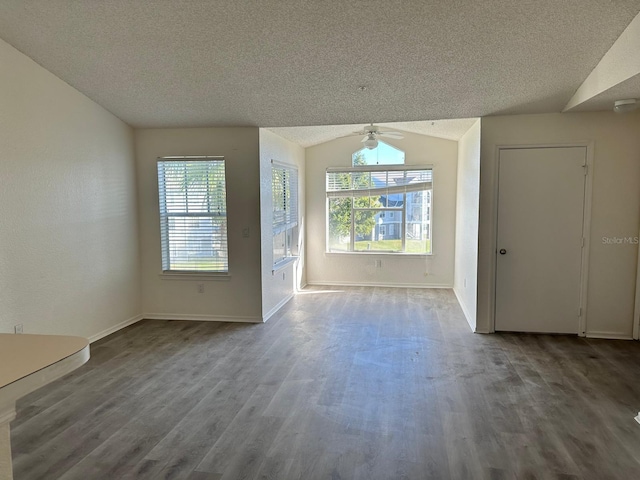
<point x="18" y="329"/>
<point x="201" y="288"/>
<point x="245" y="232"/>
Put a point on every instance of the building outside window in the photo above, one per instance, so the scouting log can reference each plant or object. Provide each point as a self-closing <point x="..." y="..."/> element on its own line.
<point x="379" y="208"/>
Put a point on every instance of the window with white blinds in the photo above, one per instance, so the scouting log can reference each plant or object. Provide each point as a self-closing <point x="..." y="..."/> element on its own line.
<point x="379" y="209"/>
<point x="284" y="183"/>
<point x="193" y="214"/>
<point x="362" y="181"/>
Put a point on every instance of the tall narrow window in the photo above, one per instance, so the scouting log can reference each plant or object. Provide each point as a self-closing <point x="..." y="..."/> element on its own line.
<point x="379" y="209"/>
<point x="284" y="181"/>
<point x="193" y="214"/>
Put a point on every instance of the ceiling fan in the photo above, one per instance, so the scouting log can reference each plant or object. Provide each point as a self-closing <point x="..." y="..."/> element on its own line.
<point x="372" y="132"/>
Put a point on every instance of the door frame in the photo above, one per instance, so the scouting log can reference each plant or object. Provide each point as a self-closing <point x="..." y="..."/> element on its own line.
<point x="586" y="228"/>
<point x="636" y="309"/>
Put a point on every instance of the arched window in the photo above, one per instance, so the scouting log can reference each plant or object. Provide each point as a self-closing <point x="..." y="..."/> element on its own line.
<point x="383" y="154"/>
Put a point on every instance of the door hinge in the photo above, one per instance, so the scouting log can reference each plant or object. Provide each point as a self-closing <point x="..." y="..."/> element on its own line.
<point x="586" y="170"/>
<point x="582" y="242"/>
<point x="580" y="311"/>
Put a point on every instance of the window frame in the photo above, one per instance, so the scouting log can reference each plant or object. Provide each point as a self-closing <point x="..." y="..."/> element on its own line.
<point x="164" y="216"/>
<point x="409" y="189"/>
<point x="288" y="203"/>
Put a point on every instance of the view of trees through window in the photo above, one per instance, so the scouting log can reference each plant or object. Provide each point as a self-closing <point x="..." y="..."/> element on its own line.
<point x="379" y="210"/>
<point x="193" y="214"/>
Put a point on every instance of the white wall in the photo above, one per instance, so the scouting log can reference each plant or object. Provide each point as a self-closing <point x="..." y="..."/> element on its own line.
<point x="615" y="210"/>
<point x="278" y="286"/>
<point x="467" y="211"/>
<point x="233" y="298"/>
<point x="68" y="224"/>
<point x="400" y="270"/>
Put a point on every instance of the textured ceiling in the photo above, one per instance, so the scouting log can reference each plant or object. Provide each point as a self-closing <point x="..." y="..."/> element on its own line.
<point x="309" y="136"/>
<point x="295" y="62"/>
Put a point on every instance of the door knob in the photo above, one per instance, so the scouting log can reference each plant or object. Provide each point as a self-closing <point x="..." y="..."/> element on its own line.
<point x="502" y="251"/>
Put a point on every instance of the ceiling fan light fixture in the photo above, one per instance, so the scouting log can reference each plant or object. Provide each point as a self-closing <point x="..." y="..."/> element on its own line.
<point x="371" y="142"/>
<point x="624" y="106"/>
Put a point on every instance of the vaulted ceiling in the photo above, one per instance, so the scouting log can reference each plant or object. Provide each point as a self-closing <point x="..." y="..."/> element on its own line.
<point x="167" y="63"/>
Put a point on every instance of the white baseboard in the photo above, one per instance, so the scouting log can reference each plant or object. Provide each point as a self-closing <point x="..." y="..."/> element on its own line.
<point x="483" y="331"/>
<point x="385" y="285"/>
<point x="115" y="328"/>
<point x="280" y="304"/>
<point x="609" y="335"/>
<point x="201" y="318"/>
<point x="466" y="313"/>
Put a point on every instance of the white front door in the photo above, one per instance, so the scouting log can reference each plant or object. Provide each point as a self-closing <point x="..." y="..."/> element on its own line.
<point x="540" y="226"/>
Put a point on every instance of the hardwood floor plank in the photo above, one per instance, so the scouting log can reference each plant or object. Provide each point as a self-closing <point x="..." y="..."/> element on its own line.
<point x="238" y="431"/>
<point x="343" y="383"/>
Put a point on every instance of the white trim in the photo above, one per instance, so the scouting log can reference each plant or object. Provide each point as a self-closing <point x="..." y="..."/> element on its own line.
<point x="494" y="242"/>
<point x="379" y="168"/>
<point x="466" y="313"/>
<point x="636" y="308"/>
<point x="609" y="335"/>
<point x="483" y="331"/>
<point x="190" y="157"/>
<point x="195" y="276"/>
<point x="275" y="309"/>
<point x="586" y="230"/>
<point x="373" y="191"/>
<point x="386" y="285"/>
<point x="201" y="318"/>
<point x="115" y="328"/>
<point x="283" y="263"/>
<point x="586" y="235"/>
<point x="390" y="253"/>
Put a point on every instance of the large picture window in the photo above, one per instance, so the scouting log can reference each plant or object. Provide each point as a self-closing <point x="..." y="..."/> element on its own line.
<point x="284" y="182"/>
<point x="193" y="214"/>
<point x="379" y="209"/>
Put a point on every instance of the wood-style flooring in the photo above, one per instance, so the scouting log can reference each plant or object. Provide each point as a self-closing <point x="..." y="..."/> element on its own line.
<point x="342" y="383"/>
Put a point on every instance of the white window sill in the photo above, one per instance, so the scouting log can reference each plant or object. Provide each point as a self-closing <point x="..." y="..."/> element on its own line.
<point x="386" y="254"/>
<point x="207" y="276"/>
<point x="282" y="264"/>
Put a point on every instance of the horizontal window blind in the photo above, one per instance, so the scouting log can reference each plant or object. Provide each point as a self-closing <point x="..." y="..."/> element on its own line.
<point x="379" y="209"/>
<point x="193" y="214"/>
<point x="378" y="182"/>
<point x="285" y="197"/>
